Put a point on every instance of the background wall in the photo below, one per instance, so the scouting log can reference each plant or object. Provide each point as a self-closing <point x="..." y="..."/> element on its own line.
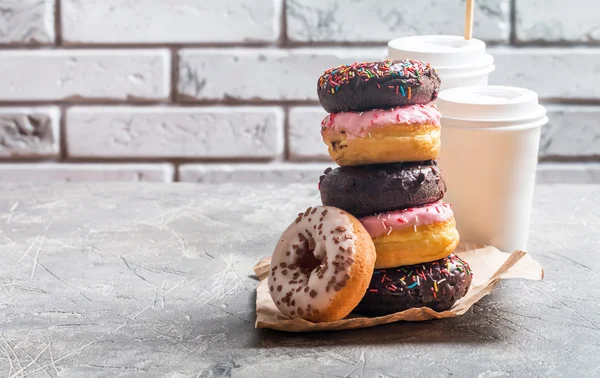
<point x="205" y="90"/>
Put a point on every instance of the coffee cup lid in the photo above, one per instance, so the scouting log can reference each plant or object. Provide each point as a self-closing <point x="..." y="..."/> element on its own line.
<point x="440" y="50"/>
<point x="491" y="106"/>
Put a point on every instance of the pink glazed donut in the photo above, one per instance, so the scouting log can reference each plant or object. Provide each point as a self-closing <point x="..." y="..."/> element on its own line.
<point x="322" y="265"/>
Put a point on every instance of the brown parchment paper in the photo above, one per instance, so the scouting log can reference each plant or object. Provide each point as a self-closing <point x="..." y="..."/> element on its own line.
<point x="488" y="264"/>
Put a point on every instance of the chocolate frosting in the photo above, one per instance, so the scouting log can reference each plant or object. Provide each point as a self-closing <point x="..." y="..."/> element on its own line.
<point x="371" y="189"/>
<point x="377" y="85"/>
<point x="437" y="285"/>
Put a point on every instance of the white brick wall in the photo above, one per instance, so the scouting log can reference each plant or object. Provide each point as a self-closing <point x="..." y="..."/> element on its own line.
<point x="168" y="132"/>
<point x="557" y="21"/>
<point x="554" y="73"/>
<point x="181" y="21"/>
<point x="29" y="132"/>
<point x="304" y="134"/>
<point x="380" y="21"/>
<point x="573" y="132"/>
<point x="27" y="21"/>
<point x="226" y="90"/>
<point x="48" y="75"/>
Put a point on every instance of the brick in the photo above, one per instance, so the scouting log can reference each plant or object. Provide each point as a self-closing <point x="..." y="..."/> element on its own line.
<point x="572" y="132"/>
<point x="553" y="73"/>
<point x="48" y="75"/>
<point x="304" y="134"/>
<point x="26" y="22"/>
<point x="252" y="173"/>
<point x="210" y="132"/>
<point x="48" y="172"/>
<point x="29" y="132"/>
<point x="260" y="74"/>
<point x="381" y="21"/>
<point x="568" y="173"/>
<point x="182" y="21"/>
<point x="576" y="22"/>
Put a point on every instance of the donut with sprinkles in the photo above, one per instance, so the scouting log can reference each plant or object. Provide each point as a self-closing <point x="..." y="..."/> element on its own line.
<point x="377" y="85"/>
<point x="437" y="285"/>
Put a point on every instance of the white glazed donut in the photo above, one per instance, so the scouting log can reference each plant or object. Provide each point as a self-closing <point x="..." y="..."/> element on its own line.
<point x="322" y="265"/>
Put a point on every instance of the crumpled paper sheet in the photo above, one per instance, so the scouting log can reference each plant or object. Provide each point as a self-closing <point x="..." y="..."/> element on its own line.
<point x="488" y="264"/>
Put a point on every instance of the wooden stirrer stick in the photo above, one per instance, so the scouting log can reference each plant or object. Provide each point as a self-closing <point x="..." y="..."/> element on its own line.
<point x="469" y="19"/>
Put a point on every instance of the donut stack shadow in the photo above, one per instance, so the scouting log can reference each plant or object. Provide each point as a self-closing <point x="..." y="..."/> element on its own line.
<point x="384" y="132"/>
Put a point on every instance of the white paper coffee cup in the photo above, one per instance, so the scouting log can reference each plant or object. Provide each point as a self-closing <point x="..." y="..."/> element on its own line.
<point x="490" y="139"/>
<point x="459" y="62"/>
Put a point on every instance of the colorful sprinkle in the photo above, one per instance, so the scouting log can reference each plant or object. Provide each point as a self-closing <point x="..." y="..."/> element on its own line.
<point x="409" y="71"/>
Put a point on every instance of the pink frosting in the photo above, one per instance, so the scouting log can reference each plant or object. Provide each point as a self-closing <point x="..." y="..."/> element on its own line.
<point x="358" y="125"/>
<point x="384" y="223"/>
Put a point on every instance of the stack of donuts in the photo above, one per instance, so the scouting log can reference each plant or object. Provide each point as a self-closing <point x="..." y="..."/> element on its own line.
<point x="384" y="240"/>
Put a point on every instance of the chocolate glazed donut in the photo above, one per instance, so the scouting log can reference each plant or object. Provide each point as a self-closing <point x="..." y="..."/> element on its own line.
<point x="371" y="189"/>
<point x="437" y="285"/>
<point x="377" y="85"/>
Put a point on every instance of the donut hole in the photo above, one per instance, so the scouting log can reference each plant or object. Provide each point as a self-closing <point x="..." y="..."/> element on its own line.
<point x="308" y="258"/>
<point x="307" y="262"/>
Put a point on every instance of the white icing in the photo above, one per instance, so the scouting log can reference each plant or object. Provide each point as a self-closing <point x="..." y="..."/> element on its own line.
<point x="307" y="227"/>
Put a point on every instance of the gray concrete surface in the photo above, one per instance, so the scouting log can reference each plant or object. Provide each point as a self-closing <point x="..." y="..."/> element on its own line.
<point x="115" y="280"/>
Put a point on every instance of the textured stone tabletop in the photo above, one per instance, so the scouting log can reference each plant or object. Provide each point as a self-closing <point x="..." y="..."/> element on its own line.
<point x="155" y="280"/>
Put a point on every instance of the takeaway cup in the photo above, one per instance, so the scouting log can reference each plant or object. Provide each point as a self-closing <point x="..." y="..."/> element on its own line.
<point x="459" y="62"/>
<point x="490" y="139"/>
